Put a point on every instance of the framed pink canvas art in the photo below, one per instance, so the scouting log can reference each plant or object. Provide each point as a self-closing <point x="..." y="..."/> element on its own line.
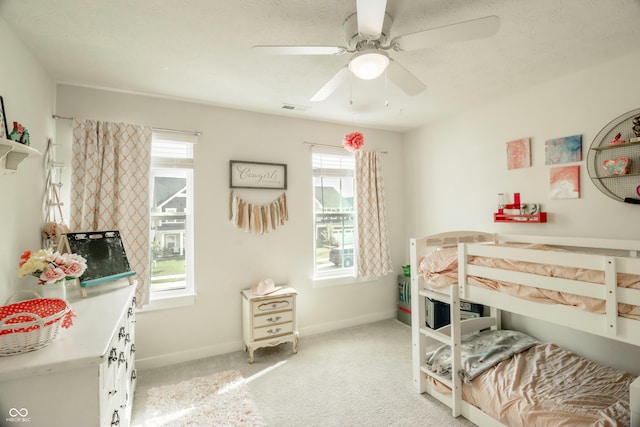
<point x="564" y="182"/>
<point x="518" y="154"/>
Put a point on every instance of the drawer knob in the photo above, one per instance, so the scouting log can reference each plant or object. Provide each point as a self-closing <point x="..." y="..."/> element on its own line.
<point x="274" y="331"/>
<point x="274" y="319"/>
<point x="126" y="400"/>
<point x="113" y="355"/>
<point x="115" y="418"/>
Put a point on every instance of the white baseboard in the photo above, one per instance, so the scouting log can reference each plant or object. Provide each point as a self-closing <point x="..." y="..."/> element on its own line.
<point x="188" y="355"/>
<point x="229" y="347"/>
<point x="347" y="323"/>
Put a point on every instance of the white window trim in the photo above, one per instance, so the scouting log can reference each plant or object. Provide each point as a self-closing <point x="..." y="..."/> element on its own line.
<point x="330" y="282"/>
<point x="344" y="277"/>
<point x="160" y="300"/>
<point x="169" y="302"/>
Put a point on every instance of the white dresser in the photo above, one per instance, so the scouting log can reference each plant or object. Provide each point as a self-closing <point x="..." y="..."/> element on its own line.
<point x="86" y="377"/>
<point x="269" y="320"/>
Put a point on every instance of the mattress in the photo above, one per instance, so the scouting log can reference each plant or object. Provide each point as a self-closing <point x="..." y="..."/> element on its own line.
<point x="440" y="270"/>
<point x="547" y="385"/>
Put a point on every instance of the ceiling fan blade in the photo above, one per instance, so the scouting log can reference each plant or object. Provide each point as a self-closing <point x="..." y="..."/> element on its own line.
<point x="300" y="50"/>
<point x="370" y="17"/>
<point x="329" y="87"/>
<point x="402" y="78"/>
<point x="467" y="30"/>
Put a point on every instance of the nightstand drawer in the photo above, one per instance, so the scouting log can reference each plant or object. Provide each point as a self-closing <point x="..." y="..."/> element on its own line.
<point x="265" y="306"/>
<point x="272" y="331"/>
<point x="273" y="318"/>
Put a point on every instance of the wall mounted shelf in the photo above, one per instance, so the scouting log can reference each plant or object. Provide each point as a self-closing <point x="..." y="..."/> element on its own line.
<point x="12" y="154"/>
<point x="522" y="218"/>
<point x="623" y="187"/>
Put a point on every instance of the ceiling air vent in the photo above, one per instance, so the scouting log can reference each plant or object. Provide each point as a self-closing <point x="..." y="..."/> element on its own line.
<point x="292" y="107"/>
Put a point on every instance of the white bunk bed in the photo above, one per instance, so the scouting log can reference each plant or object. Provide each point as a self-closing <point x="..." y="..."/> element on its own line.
<point x="609" y="257"/>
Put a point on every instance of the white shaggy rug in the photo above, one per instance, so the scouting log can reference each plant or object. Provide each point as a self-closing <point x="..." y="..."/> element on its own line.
<point x="221" y="399"/>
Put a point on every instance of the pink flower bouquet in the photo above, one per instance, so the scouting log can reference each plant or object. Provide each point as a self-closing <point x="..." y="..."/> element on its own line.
<point x="353" y="141"/>
<point x="51" y="267"/>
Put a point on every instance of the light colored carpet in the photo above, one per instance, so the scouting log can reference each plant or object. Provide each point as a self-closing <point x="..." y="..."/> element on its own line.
<point x="220" y="399"/>
<point x="359" y="376"/>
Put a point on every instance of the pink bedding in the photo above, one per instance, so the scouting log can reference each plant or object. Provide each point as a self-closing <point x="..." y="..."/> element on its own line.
<point x="440" y="269"/>
<point x="549" y="386"/>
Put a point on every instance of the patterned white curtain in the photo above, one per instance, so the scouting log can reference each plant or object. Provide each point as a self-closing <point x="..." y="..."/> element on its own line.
<point x="374" y="255"/>
<point x="110" y="188"/>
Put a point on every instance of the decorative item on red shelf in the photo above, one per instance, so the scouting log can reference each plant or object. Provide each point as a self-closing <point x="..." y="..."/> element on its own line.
<point x="617" y="140"/>
<point x="516" y="202"/>
<point x="352" y="142"/>
<point x="518" y="211"/>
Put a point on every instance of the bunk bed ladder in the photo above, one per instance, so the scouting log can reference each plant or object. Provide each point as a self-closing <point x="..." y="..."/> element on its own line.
<point x="418" y="340"/>
<point x="449" y="335"/>
<point x="456" y="360"/>
<point x="611" y="301"/>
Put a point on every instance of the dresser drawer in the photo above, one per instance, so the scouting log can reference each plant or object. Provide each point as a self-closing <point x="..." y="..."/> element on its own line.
<point x="273" y="318"/>
<point x="265" y="306"/>
<point x="272" y="331"/>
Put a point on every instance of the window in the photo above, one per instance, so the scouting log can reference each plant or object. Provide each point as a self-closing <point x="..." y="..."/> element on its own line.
<point x="334" y="215"/>
<point x="171" y="232"/>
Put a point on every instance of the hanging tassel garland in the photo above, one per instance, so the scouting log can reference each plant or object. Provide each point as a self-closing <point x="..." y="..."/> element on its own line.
<point x="258" y="219"/>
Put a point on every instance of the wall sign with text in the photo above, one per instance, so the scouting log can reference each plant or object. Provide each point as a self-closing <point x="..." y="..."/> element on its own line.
<point x="257" y="175"/>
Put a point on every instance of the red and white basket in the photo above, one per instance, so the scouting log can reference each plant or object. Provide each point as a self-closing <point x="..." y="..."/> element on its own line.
<point x="32" y="324"/>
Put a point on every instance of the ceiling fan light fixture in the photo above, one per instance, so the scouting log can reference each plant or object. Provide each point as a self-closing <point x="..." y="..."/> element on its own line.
<point x="368" y="65"/>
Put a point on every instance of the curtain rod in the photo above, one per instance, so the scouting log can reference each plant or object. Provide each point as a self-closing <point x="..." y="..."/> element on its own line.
<point x="312" y="144"/>
<point x="190" y="132"/>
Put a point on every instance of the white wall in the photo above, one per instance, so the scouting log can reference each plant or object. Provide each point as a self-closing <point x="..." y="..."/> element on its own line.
<point x="456" y="168"/>
<point x="227" y="259"/>
<point x="27" y="93"/>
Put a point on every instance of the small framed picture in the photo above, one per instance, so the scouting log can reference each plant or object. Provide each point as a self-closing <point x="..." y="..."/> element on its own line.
<point x="4" y="130"/>
<point x="257" y="175"/>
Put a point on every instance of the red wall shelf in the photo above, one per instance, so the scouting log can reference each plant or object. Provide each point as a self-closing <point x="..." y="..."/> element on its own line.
<point x="521" y="218"/>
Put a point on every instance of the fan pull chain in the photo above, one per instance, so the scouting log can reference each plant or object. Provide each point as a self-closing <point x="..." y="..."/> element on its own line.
<point x="386" y="87"/>
<point x="350" y="89"/>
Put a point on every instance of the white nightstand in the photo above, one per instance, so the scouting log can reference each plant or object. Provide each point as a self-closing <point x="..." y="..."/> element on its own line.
<point x="269" y="320"/>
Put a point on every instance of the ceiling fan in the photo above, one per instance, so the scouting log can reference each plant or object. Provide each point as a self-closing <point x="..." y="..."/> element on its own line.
<point x="367" y="33"/>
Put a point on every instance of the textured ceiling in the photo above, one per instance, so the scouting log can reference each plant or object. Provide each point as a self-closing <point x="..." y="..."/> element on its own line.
<point x="200" y="50"/>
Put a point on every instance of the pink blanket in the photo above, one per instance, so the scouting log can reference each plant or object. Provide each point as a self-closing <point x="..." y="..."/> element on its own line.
<point x="549" y="386"/>
<point x="440" y="270"/>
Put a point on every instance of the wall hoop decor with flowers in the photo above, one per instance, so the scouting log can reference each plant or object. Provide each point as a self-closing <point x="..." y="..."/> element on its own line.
<point x="612" y="160"/>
